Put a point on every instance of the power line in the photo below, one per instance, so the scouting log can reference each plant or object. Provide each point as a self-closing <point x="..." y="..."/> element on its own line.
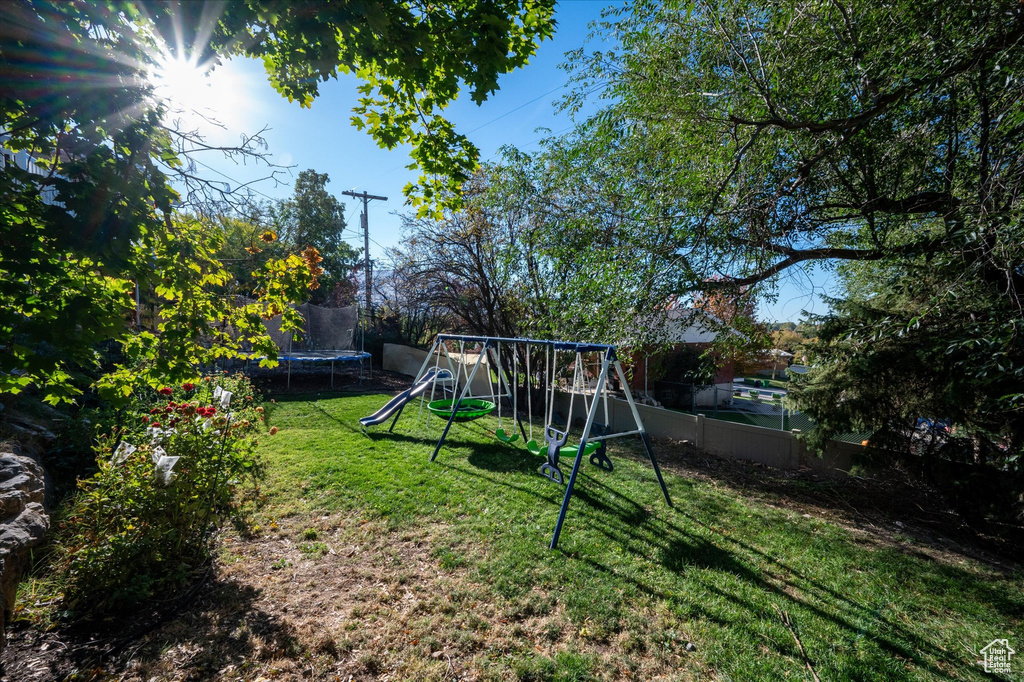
<point x="512" y="111"/>
<point x="484" y="125"/>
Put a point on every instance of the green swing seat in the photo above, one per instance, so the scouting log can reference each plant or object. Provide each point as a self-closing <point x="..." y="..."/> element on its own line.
<point x="565" y="451"/>
<point x="504" y="437"/>
<point x="467" y="410"/>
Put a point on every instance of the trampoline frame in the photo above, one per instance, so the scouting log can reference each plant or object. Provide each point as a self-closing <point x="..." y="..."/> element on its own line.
<point x="331" y="356"/>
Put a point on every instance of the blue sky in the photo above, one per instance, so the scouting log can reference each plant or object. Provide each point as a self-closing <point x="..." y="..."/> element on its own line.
<point x="322" y="138"/>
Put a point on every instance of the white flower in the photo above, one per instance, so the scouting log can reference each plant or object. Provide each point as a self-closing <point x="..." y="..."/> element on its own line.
<point x="122" y="452"/>
<point x="164" y="470"/>
<point x="225" y="399"/>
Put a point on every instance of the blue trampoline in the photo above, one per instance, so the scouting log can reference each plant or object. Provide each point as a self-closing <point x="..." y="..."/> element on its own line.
<point x="328" y="336"/>
<point x="330" y="356"/>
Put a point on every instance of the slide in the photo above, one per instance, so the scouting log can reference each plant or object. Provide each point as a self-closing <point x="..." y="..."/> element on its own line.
<point x="399" y="401"/>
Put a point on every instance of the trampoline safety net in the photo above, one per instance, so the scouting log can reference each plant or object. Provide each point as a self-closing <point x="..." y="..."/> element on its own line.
<point x="325" y="329"/>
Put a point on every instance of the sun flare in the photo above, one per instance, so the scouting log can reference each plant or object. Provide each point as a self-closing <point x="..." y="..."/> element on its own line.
<point x="193" y="90"/>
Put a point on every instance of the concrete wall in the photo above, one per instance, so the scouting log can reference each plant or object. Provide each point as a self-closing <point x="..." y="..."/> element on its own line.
<point x="406" y="360"/>
<point x="725" y="439"/>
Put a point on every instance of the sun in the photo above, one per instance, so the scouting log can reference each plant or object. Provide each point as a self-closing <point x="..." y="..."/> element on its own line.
<point x="191" y="90"/>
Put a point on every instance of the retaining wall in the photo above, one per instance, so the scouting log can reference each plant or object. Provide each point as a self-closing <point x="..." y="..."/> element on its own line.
<point x="406" y="360"/>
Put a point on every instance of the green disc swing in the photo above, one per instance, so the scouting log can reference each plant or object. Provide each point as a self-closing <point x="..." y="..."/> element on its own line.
<point x="466" y="409"/>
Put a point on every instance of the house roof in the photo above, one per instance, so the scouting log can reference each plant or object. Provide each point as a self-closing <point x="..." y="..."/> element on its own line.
<point x="691" y="325"/>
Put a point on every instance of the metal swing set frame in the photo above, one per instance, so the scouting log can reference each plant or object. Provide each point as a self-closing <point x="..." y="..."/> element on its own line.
<point x="555" y="438"/>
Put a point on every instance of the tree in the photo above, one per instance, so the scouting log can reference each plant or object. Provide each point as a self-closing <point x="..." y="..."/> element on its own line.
<point x="922" y="341"/>
<point x="406" y="311"/>
<point x="83" y="225"/>
<point x="248" y="245"/>
<point x="478" y="263"/>
<point x="788" y="340"/>
<point x="913" y="118"/>
<point x="314" y="217"/>
<point x="527" y="254"/>
<point x="741" y="338"/>
<point x="762" y="136"/>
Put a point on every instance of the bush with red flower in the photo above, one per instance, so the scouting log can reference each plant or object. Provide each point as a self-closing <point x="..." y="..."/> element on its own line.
<point x="168" y="478"/>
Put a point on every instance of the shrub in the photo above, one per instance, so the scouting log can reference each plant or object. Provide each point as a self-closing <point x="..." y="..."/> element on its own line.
<point x="167" y="478"/>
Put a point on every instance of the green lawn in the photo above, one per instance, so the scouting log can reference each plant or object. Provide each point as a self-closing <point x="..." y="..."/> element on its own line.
<point x="633" y="580"/>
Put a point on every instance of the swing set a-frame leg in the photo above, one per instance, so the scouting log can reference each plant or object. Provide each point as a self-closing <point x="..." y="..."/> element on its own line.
<point x="458" y="402"/>
<point x="657" y="469"/>
<point x="591" y="414"/>
<point x="643" y="431"/>
<point x="568" y="495"/>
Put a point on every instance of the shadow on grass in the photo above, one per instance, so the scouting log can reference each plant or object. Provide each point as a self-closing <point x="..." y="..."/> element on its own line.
<point x="221" y="626"/>
<point x="687" y="545"/>
<point x="685" y="552"/>
<point x="709" y="546"/>
<point x="874" y="504"/>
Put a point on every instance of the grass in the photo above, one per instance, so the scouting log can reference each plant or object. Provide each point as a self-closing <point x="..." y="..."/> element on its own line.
<point x="770" y="421"/>
<point x="633" y="581"/>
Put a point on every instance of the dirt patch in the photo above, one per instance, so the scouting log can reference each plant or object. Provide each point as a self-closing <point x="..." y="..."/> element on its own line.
<point x="328" y="598"/>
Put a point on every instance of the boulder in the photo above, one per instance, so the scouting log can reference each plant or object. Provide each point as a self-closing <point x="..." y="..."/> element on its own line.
<point x="24" y="520"/>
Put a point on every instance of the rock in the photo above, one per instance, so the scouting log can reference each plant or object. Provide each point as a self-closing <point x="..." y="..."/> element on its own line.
<point x="29" y="429"/>
<point x="24" y="520"/>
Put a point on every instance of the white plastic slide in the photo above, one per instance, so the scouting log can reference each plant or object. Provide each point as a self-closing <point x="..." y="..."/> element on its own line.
<point x="396" y="403"/>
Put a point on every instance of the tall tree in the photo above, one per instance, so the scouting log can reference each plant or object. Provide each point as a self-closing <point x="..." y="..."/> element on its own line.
<point x="921" y="342"/>
<point x="782" y="133"/>
<point x="314" y="217"/>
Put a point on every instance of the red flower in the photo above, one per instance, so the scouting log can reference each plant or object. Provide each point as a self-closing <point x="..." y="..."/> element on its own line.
<point x="168" y="409"/>
<point x="155" y="410"/>
<point x="145" y="419"/>
<point x="188" y="386"/>
<point x="166" y="391"/>
<point x="156" y="425"/>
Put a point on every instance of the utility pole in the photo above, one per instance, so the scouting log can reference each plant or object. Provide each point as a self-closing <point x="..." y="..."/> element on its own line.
<point x="365" y="221"/>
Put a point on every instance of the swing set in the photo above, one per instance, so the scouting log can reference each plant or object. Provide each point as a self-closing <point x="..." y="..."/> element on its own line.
<point x="457" y="395"/>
